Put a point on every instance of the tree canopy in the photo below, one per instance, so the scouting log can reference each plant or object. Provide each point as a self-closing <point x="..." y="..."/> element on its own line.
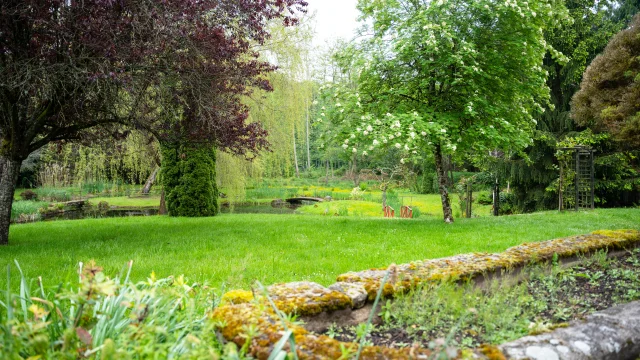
<point x="532" y="177"/>
<point x="450" y="76"/>
<point x="609" y="96"/>
<point x="176" y="68"/>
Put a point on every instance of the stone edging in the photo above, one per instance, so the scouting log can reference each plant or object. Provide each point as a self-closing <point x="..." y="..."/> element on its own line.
<point x="610" y="334"/>
<point x="355" y="289"/>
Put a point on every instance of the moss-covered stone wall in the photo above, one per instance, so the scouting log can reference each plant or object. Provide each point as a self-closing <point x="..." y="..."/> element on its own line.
<point x="243" y="309"/>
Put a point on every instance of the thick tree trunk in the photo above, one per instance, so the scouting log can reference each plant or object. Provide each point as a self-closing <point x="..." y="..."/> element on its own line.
<point x="163" y="205"/>
<point x="442" y="184"/>
<point x="152" y="178"/>
<point x="9" y="172"/>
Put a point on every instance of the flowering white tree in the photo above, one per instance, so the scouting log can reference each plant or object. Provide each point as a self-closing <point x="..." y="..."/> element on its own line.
<point x="448" y="76"/>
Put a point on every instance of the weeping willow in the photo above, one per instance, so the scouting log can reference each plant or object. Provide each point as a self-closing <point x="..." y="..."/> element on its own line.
<point x="282" y="112"/>
<point x="127" y="161"/>
<point x="231" y="176"/>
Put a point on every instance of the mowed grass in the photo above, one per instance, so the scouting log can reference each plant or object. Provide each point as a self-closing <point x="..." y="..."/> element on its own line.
<point x="238" y="249"/>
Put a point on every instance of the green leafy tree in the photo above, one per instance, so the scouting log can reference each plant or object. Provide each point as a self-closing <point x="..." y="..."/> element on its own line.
<point x="447" y="77"/>
<point x="531" y="176"/>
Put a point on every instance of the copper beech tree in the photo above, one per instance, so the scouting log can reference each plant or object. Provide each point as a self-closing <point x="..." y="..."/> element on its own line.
<point x="175" y="68"/>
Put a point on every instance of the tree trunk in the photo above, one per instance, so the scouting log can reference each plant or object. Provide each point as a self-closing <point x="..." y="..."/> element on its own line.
<point x="450" y="167"/>
<point x="308" y="147"/>
<point x="442" y="185"/>
<point x="355" y="172"/>
<point x="152" y="178"/>
<point x="384" y="195"/>
<point x="9" y="172"/>
<point x="326" y="181"/>
<point x="295" y="154"/>
<point x="163" y="205"/>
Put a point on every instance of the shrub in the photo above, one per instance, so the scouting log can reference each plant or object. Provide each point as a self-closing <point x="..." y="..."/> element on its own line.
<point x="189" y="180"/>
<point x="343" y="210"/>
<point x="356" y="194"/>
<point x="485" y="199"/>
<point x="364" y="186"/>
<point x="507" y="203"/>
<point x="103" y="206"/>
<point x="29" y="195"/>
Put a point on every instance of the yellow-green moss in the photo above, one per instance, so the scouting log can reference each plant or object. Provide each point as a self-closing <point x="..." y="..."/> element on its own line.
<point x="463" y="267"/>
<point x="308" y="346"/>
<point x="308" y="300"/>
<point x="631" y="235"/>
<point x="237" y="297"/>
<point x="491" y="352"/>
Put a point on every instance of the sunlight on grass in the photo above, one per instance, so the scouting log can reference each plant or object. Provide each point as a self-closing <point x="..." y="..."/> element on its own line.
<point x="344" y="208"/>
<point x="239" y="249"/>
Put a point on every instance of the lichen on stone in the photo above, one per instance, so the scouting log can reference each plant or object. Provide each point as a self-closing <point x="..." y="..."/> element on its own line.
<point x="307" y="298"/>
<point x="240" y="311"/>
<point x="467" y="266"/>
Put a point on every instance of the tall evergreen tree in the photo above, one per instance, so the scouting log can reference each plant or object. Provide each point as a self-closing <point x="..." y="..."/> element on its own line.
<point x="594" y="22"/>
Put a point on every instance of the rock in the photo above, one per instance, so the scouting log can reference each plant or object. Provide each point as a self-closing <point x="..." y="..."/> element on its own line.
<point x="610" y="334"/>
<point x="278" y="203"/>
<point x="307" y="298"/>
<point x="541" y="353"/>
<point x="355" y="291"/>
<point x="328" y="198"/>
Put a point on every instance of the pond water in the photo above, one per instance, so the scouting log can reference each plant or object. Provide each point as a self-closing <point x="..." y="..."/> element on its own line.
<point x="256" y="209"/>
<point x="89" y="214"/>
<point x="246" y="208"/>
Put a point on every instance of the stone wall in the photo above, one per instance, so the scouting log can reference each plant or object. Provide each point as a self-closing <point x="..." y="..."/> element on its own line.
<point x="350" y="298"/>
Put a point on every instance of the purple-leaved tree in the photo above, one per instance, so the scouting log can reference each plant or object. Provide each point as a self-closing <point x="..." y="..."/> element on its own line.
<point x="176" y="68"/>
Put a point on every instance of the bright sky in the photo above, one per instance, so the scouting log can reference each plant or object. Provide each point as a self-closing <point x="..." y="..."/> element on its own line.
<point x="334" y="19"/>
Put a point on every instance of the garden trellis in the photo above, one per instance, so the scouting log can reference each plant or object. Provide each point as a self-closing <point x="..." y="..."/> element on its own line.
<point x="577" y="183"/>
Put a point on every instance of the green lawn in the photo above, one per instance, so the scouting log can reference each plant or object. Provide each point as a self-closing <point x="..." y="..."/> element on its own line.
<point x="238" y="249"/>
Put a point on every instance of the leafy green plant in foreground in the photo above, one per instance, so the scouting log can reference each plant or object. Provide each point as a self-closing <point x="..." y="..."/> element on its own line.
<point x="110" y="318"/>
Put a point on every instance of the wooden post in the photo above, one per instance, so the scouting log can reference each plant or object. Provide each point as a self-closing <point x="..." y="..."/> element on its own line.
<point x="560" y="185"/>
